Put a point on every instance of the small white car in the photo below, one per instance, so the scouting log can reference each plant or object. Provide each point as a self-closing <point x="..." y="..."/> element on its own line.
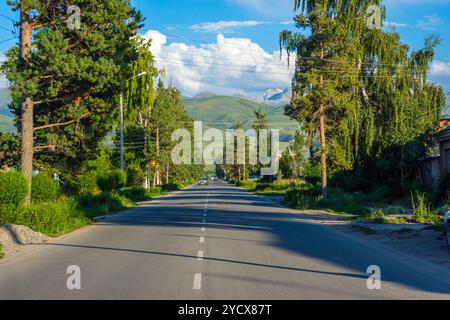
<point x="447" y="226"/>
<point x="203" y="182"/>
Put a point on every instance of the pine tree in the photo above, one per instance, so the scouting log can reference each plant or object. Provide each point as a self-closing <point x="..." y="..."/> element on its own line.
<point x="67" y="83"/>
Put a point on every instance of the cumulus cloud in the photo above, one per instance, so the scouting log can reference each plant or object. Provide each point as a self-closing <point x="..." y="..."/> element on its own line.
<point x="440" y="68"/>
<point x="226" y="26"/>
<point x="228" y="66"/>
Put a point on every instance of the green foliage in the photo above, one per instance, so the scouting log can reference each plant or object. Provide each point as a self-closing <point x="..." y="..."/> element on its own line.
<point x="82" y="185"/>
<point x="1" y="251"/>
<point x="9" y="150"/>
<point x="135" y="175"/>
<point x="251" y="185"/>
<point x="374" y="133"/>
<point x="153" y="192"/>
<point x="104" y="203"/>
<point x="44" y="188"/>
<point x="106" y="182"/>
<point x="87" y="68"/>
<point x="120" y="179"/>
<point x="51" y="218"/>
<point x="13" y="188"/>
<point x="313" y="173"/>
<point x="422" y="209"/>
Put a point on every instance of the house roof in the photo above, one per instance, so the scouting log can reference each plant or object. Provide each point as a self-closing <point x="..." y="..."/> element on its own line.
<point x="443" y="134"/>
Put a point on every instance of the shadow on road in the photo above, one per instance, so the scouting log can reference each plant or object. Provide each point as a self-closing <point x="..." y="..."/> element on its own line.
<point x="235" y="209"/>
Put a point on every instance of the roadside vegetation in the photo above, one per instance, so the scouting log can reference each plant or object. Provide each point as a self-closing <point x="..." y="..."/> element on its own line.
<point x="56" y="210"/>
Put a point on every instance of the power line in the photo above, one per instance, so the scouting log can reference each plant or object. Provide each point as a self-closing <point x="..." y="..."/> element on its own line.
<point x="9" y="39"/>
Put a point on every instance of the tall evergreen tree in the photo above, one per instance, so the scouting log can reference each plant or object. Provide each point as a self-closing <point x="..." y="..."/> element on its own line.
<point x="66" y="78"/>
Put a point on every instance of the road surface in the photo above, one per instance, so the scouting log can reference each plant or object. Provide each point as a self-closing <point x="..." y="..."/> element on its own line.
<point x="216" y="242"/>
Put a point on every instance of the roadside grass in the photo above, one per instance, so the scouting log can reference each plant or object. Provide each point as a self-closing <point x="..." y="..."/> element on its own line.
<point x="65" y="214"/>
<point x="278" y="188"/>
<point x="1" y="251"/>
<point x="50" y="218"/>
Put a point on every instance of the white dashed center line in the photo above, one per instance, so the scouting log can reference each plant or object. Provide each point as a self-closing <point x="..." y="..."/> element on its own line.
<point x="202" y="239"/>
<point x="200" y="255"/>
<point x="197" y="281"/>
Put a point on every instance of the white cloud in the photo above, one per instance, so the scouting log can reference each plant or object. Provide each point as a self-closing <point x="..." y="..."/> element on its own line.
<point x="430" y="22"/>
<point x="226" y="26"/>
<point x="440" y="68"/>
<point x="228" y="66"/>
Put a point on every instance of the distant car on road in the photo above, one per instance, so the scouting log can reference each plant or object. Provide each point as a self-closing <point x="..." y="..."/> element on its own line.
<point x="447" y="227"/>
<point x="203" y="182"/>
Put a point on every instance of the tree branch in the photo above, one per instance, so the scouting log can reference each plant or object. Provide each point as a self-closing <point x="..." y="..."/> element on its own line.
<point x="61" y="124"/>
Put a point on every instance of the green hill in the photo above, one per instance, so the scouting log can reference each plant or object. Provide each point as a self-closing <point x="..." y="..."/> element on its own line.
<point x="223" y="112"/>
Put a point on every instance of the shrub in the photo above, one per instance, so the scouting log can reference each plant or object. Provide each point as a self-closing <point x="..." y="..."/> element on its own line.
<point x="135" y="176"/>
<point x="135" y="194"/>
<point x="251" y="185"/>
<point x="106" y="182"/>
<point x="377" y="216"/>
<point x="1" y="251"/>
<point x="171" y="187"/>
<point x="44" y="188"/>
<point x="299" y="200"/>
<point x="13" y="188"/>
<point x="120" y="179"/>
<point x="81" y="185"/>
<point x="422" y="209"/>
<point x="313" y="173"/>
<point x="152" y="192"/>
<point x="51" y="218"/>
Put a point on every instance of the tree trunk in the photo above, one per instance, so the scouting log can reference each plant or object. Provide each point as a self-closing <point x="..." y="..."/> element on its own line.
<point x="157" y="175"/>
<point x="26" y="107"/>
<point x="167" y="174"/>
<point x="323" y="143"/>
<point x="146" y="159"/>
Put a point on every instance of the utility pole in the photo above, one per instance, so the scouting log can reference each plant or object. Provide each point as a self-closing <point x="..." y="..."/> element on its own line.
<point x="26" y="103"/>
<point x="122" y="151"/>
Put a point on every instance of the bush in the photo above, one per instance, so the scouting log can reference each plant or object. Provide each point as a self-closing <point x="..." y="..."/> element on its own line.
<point x="152" y="192"/>
<point x="171" y="187"/>
<point x="13" y="188"/>
<point x="251" y="185"/>
<point x="135" y="194"/>
<point x="313" y="173"/>
<point x="82" y="185"/>
<point x="106" y="182"/>
<point x="299" y="200"/>
<point x="120" y="179"/>
<point x="51" y="218"/>
<point x="44" y="188"/>
<point x="135" y="176"/>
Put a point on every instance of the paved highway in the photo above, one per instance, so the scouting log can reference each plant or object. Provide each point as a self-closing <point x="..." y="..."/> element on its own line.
<point x="216" y="242"/>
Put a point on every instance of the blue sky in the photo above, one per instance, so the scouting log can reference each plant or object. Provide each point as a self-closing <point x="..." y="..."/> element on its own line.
<point x="243" y="33"/>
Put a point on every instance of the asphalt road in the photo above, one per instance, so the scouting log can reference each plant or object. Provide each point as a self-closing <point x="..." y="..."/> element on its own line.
<point x="217" y="242"/>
